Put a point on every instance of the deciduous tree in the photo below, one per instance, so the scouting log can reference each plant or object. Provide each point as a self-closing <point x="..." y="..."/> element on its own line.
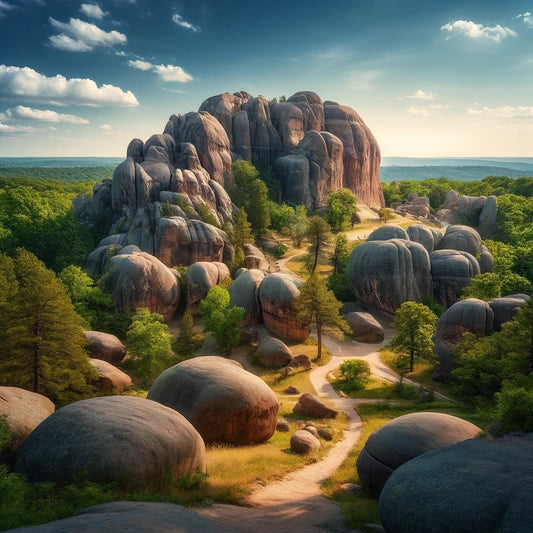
<point x="318" y="234"/>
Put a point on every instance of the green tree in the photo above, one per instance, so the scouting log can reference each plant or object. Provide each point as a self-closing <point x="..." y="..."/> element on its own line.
<point x="318" y="234"/>
<point x="514" y="406"/>
<point x="317" y="306"/>
<point x="341" y="205"/>
<point x="149" y="343"/>
<point x="415" y="325"/>
<point x="42" y="342"/>
<point x="258" y="208"/>
<point x="221" y="319"/>
<point x="189" y="338"/>
<point x="385" y="215"/>
<point x="242" y="229"/>
<point x="354" y="374"/>
<point x="341" y="253"/>
<point x="244" y="172"/>
<point x="299" y="223"/>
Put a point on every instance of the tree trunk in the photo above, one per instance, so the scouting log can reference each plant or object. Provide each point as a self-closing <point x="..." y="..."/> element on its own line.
<point x="316" y="256"/>
<point x="319" y="340"/>
<point x="37" y="357"/>
<point x="412" y="359"/>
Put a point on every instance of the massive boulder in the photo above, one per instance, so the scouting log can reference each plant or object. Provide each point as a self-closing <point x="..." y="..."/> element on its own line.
<point x="365" y="327"/>
<point x="273" y="353"/>
<point x="224" y="402"/>
<point x="385" y="233"/>
<point x="452" y="272"/>
<point x="200" y="277"/>
<point x="141" y="280"/>
<point x="475" y="485"/>
<point x="105" y="346"/>
<point x="384" y="274"/>
<point x="487" y="225"/>
<point x="405" y="438"/>
<point x="243" y="293"/>
<point x="277" y="293"/>
<point x="505" y="308"/>
<point x="255" y="258"/>
<point x="414" y="205"/>
<point x="141" y="517"/>
<point x="427" y="236"/>
<point x="22" y="411"/>
<point x="110" y="380"/>
<point x="150" y="444"/>
<point x="462" y="239"/>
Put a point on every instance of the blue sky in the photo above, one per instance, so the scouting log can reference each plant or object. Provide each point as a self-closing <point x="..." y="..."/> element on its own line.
<point x="430" y="78"/>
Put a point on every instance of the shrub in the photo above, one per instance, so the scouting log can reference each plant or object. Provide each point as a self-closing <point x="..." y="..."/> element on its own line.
<point x="355" y="374"/>
<point x="515" y="408"/>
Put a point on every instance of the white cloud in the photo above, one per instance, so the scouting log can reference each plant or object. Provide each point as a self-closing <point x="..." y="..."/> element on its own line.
<point x="478" y="32"/>
<point x="172" y="73"/>
<point x="105" y="127"/>
<point x="527" y="19"/>
<point x="180" y="21"/>
<point x="506" y="111"/>
<point x="419" y="95"/>
<point x="25" y="83"/>
<point x="93" y="11"/>
<point x="140" y="64"/>
<point x="120" y="53"/>
<point x="5" y="6"/>
<point x="9" y="128"/>
<point x="426" y="111"/>
<point x="45" y="115"/>
<point x="80" y="36"/>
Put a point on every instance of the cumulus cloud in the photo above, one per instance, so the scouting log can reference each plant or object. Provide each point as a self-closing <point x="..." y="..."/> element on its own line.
<point x="478" y="32"/>
<point x="172" y="73"/>
<point x="426" y="111"/>
<point x="419" y="95"/>
<point x="93" y="11"/>
<point x="140" y="64"/>
<point x="12" y="128"/>
<point x="527" y="18"/>
<point x="80" y="36"/>
<point x="45" y="115"/>
<point x="180" y="21"/>
<point x="25" y="83"/>
<point x="506" y="111"/>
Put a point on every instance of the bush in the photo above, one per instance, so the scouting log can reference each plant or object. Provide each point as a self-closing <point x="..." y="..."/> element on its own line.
<point x="355" y="374"/>
<point x="515" y="408"/>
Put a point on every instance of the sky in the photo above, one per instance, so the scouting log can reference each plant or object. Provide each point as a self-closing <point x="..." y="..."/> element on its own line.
<point x="433" y="78"/>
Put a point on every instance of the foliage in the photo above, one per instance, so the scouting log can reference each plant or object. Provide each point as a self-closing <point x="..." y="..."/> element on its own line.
<point x="221" y="319"/>
<point x="415" y="325"/>
<point x="433" y="304"/>
<point x="354" y="375"/>
<point x="242" y="229"/>
<point x="189" y="338"/>
<point x="341" y="205"/>
<point x="299" y="224"/>
<point x="207" y="216"/>
<point x="492" y="285"/>
<point x="338" y="284"/>
<point x="515" y="407"/>
<point x="149" y="344"/>
<point x="341" y="253"/>
<point x="318" y="234"/>
<point x="258" y="208"/>
<point x="41" y="341"/>
<point x="289" y="220"/>
<point x="385" y="215"/>
<point x="244" y="172"/>
<point x="317" y="306"/>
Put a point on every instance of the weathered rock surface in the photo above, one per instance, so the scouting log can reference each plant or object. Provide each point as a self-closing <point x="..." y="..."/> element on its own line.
<point x="300" y="362"/>
<point x="243" y="293"/>
<point x="224" y="402"/>
<point x="141" y="280"/>
<point x="273" y="353"/>
<point x="23" y="411"/>
<point x="255" y="258"/>
<point x="476" y="485"/>
<point x="303" y="442"/>
<point x="111" y="380"/>
<point x="404" y="438"/>
<point x="505" y="308"/>
<point x="105" y="346"/>
<point x="310" y="406"/>
<point x="201" y="276"/>
<point x="427" y="236"/>
<point x="451" y="271"/>
<point x="417" y="206"/>
<point x="384" y="274"/>
<point x="487" y="225"/>
<point x="385" y="233"/>
<point x="365" y="327"/>
<point x="150" y="444"/>
<point x="141" y="517"/>
<point x="462" y="239"/>
<point x="277" y="293"/>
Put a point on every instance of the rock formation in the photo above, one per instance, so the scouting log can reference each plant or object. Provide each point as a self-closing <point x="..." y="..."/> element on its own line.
<point x="111" y="380"/>
<point x="365" y="327"/>
<point x="308" y="405"/>
<point x="200" y="277"/>
<point x="224" y="402"/>
<point x="273" y="353"/>
<point x="303" y="442"/>
<point x="105" y="346"/>
<point x="243" y="293"/>
<point x="149" y="443"/>
<point x="405" y="438"/>
<point x="475" y="485"/>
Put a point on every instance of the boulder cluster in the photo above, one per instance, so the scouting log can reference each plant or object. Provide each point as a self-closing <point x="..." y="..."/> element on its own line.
<point x="396" y="265"/>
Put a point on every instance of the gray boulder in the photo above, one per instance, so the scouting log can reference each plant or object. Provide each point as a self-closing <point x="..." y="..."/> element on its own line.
<point x="505" y="309"/>
<point x="224" y="402"/>
<point x="384" y="274"/>
<point x="200" y="277"/>
<point x="293" y="172"/>
<point x="141" y="280"/>
<point x="427" y="236"/>
<point x="122" y="517"/>
<point x="385" y="233"/>
<point x="452" y="271"/>
<point x="149" y="443"/>
<point x="477" y="485"/>
<point x="485" y="260"/>
<point x="365" y="327"/>
<point x="303" y="442"/>
<point x="243" y="293"/>
<point x="404" y="438"/>
<point x="487" y="218"/>
<point x="111" y="380"/>
<point x="254" y="258"/>
<point x="105" y="346"/>
<point x="462" y="239"/>
<point x="273" y="353"/>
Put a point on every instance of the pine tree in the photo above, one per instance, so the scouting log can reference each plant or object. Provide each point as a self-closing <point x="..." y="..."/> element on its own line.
<point x="189" y="338"/>
<point x="42" y="345"/>
<point x="318" y="234"/>
<point x="242" y="229"/>
<point x="258" y="208"/>
<point x="317" y="306"/>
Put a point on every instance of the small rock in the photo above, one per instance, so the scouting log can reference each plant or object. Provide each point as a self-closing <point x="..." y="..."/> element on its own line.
<point x="300" y="362"/>
<point x="325" y="433"/>
<point x="302" y="442"/>
<point x="350" y="488"/>
<point x="312" y="430"/>
<point x="308" y="405"/>
<point x="283" y="426"/>
<point x="291" y="390"/>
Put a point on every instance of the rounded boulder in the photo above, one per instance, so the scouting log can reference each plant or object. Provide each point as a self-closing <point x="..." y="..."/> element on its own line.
<point x="105" y="346"/>
<point x="365" y="327"/>
<point x="462" y="239"/>
<point x="273" y="353"/>
<point x="130" y="441"/>
<point x="201" y="276"/>
<point x="111" y="380"/>
<point x="303" y="442"/>
<point x="224" y="402"/>
<point x="405" y="438"/>
<point x="385" y="233"/>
